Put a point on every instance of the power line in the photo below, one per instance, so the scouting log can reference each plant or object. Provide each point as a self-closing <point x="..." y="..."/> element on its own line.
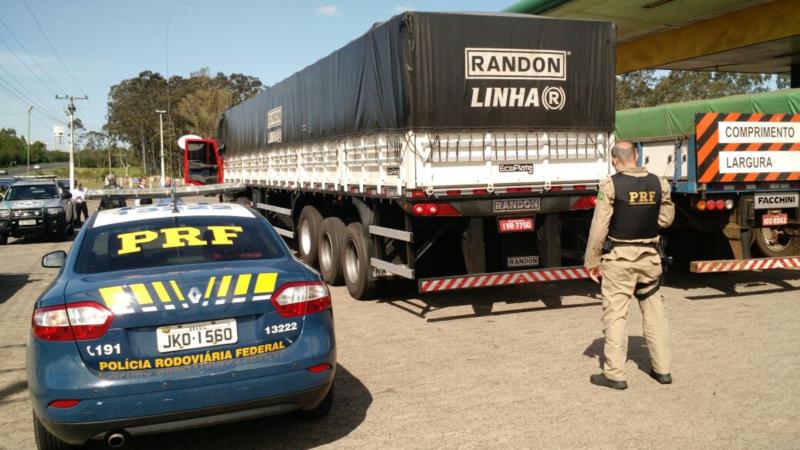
<point x="30" y="55"/>
<point x="30" y="96"/>
<point x="53" y="48"/>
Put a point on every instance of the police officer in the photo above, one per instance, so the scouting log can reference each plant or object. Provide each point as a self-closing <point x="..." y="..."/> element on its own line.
<point x="631" y="207"/>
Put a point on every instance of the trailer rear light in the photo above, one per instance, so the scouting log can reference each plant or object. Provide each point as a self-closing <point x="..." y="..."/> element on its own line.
<point x="453" y="192"/>
<point x="417" y="193"/>
<point x="480" y="192"/>
<point x="518" y="190"/>
<point x="76" y="321"/>
<point x="719" y="204"/>
<point x="435" y="209"/>
<point x="319" y="368"/>
<point x="700" y="205"/>
<point x="584" y="202"/>
<point x="63" y="403"/>
<point x="301" y="298"/>
<point x="711" y="205"/>
<point x="728" y="204"/>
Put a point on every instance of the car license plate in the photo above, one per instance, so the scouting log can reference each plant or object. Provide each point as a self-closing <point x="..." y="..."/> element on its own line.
<point x="777" y="201"/>
<point x="772" y="220"/>
<point x="27" y="222"/>
<point x="189" y="336"/>
<point x="515" y="225"/>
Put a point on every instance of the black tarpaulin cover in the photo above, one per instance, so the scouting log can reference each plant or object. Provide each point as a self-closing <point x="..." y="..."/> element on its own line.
<point x="441" y="71"/>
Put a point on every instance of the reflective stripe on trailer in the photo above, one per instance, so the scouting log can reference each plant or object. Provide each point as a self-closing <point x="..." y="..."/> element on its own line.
<point x="502" y="279"/>
<point x="740" y="265"/>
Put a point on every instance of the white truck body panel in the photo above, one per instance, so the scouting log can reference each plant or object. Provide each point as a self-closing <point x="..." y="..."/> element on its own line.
<point x="398" y="162"/>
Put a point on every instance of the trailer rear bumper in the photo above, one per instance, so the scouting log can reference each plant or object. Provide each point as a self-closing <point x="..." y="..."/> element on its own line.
<point x="741" y="265"/>
<point x="483" y="280"/>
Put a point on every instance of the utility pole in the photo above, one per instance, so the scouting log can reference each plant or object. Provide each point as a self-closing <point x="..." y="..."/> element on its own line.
<point x="161" y="129"/>
<point x="70" y="110"/>
<point x="28" y="169"/>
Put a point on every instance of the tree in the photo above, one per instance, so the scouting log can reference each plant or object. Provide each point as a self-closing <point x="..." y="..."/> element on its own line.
<point x="203" y="107"/>
<point x="647" y="88"/>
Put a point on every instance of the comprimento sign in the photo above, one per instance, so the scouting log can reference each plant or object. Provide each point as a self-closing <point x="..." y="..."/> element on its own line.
<point x="734" y="147"/>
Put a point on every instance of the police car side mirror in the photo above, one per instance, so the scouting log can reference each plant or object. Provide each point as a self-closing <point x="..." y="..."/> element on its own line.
<point x="54" y="260"/>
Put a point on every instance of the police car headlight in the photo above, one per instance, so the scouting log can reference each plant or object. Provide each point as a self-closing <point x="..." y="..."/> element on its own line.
<point x="5" y="213"/>
<point x="54" y="211"/>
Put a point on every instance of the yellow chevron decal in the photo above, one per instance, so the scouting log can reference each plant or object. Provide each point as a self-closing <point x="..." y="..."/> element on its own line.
<point x="265" y="283"/>
<point x="177" y="290"/>
<point x="116" y="299"/>
<point x="210" y="286"/>
<point x="224" y="284"/>
<point x="242" y="283"/>
<point x="140" y="292"/>
<point x="163" y="295"/>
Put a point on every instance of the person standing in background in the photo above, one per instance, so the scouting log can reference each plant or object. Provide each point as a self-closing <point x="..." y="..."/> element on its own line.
<point x="79" y="203"/>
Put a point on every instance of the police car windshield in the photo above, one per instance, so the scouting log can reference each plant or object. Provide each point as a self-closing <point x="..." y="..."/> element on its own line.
<point x="32" y="192"/>
<point x="170" y="241"/>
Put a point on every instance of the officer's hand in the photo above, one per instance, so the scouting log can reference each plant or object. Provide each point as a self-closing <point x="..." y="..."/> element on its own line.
<point x="595" y="273"/>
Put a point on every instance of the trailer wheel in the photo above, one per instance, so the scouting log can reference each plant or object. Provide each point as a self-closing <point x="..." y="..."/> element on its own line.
<point x="356" y="263"/>
<point x="773" y="242"/>
<point x="308" y="234"/>
<point x="331" y="245"/>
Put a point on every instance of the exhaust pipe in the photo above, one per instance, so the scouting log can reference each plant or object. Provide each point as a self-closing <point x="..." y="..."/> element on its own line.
<point x="115" y="440"/>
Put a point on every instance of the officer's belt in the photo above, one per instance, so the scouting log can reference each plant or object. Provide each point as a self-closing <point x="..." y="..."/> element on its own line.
<point x="611" y="244"/>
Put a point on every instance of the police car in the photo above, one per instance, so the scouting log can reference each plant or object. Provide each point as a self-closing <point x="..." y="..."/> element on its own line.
<point x="172" y="317"/>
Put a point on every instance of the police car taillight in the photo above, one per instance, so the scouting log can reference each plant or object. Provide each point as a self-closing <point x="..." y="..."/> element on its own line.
<point x="301" y="298"/>
<point x="77" y="321"/>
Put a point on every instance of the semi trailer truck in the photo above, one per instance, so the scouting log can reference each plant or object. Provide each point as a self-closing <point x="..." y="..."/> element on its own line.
<point x="734" y="165"/>
<point x="458" y="150"/>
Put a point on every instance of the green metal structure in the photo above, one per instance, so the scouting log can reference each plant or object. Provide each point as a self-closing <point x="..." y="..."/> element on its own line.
<point x="677" y="119"/>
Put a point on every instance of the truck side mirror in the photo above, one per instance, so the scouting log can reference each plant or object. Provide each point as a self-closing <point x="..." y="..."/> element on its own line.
<point x="55" y="259"/>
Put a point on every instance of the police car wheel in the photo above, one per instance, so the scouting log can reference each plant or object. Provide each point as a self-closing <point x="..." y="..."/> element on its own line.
<point x="322" y="409"/>
<point x="356" y="263"/>
<point x="46" y="440"/>
<point x="331" y="246"/>
<point x="308" y="234"/>
<point x="772" y="243"/>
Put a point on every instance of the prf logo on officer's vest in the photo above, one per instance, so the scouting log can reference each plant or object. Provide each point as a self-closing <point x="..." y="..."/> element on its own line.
<point x="642" y="198"/>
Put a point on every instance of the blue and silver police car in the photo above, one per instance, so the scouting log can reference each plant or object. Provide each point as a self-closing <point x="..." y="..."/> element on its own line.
<point x="173" y="317"/>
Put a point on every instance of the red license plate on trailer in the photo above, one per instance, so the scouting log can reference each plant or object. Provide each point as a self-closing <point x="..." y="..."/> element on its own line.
<point x="773" y="220"/>
<point x="515" y="225"/>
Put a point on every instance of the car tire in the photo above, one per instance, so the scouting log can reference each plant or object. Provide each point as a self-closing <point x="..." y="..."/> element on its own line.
<point x="356" y="265"/>
<point x="308" y="227"/>
<point x="330" y="248"/>
<point x="774" y="245"/>
<point x="322" y="410"/>
<point x="45" y="440"/>
<point x="3" y="239"/>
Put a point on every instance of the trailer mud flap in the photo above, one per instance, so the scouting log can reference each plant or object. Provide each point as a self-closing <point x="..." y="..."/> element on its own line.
<point x="483" y="280"/>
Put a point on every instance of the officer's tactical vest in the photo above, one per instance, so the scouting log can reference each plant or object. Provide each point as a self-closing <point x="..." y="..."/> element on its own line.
<point x="637" y="202"/>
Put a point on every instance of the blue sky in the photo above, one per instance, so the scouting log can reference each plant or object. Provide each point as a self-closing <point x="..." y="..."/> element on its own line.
<point x="102" y="42"/>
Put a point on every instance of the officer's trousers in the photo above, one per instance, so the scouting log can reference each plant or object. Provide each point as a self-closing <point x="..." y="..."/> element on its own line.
<point x="623" y="269"/>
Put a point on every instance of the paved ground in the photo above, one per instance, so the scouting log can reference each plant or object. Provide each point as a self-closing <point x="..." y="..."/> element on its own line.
<point x="426" y="372"/>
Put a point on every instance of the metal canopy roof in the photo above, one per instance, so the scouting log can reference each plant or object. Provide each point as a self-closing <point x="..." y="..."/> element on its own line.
<point x="724" y="35"/>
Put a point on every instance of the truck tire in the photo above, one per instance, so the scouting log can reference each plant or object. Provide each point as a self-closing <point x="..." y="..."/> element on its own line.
<point x="331" y="246"/>
<point x="772" y="243"/>
<point x="46" y="440"/>
<point x="308" y="234"/>
<point x="3" y="239"/>
<point x="356" y="264"/>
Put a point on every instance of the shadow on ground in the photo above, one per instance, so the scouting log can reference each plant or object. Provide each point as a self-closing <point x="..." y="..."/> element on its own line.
<point x="10" y="283"/>
<point x="351" y="402"/>
<point x="532" y="297"/>
<point x="637" y="352"/>
<point x="734" y="284"/>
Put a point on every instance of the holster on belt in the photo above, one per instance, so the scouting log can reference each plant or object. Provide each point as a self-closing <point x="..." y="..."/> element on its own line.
<point x="643" y="291"/>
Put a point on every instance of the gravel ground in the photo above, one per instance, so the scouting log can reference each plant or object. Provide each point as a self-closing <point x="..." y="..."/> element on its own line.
<point x="426" y="372"/>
